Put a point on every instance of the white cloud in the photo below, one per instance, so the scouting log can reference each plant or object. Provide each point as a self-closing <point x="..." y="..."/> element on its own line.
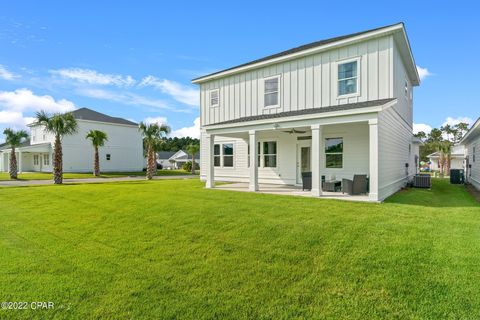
<point x="14" y="119"/>
<point x="124" y="98"/>
<point x="417" y="127"/>
<point x="193" y="131"/>
<point x="179" y="92"/>
<point x="94" y="77"/>
<point x="25" y="100"/>
<point x="453" y="121"/>
<point x="158" y="120"/>
<point x="5" y="74"/>
<point x="423" y="72"/>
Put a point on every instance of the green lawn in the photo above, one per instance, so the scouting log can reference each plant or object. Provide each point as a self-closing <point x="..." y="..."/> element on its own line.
<point x="48" y="176"/>
<point x="174" y="250"/>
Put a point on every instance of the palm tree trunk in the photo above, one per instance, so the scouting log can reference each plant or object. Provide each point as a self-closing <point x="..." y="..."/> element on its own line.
<point x="96" y="166"/>
<point x="57" y="161"/>
<point x="150" y="163"/>
<point x="193" y="164"/>
<point x="13" y="164"/>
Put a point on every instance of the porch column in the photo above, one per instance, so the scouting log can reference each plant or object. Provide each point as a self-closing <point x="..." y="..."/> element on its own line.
<point x="316" y="160"/>
<point x="373" y="156"/>
<point x="20" y="161"/>
<point x="253" y="183"/>
<point x="210" y="183"/>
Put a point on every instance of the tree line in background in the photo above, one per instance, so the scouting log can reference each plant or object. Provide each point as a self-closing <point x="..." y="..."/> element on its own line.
<point x="441" y="140"/>
<point x="175" y="144"/>
<point x="60" y="125"/>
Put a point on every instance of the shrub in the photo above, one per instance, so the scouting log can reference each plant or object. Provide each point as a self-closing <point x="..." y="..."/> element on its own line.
<point x="187" y="166"/>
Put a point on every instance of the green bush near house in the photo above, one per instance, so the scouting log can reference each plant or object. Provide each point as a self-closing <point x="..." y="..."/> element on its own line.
<point x="139" y="250"/>
<point x="187" y="166"/>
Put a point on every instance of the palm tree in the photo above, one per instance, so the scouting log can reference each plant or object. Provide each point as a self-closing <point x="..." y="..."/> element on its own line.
<point x="193" y="149"/>
<point x="98" y="139"/>
<point x="14" y="139"/>
<point x="59" y="125"/>
<point x="153" y="134"/>
<point x="445" y="149"/>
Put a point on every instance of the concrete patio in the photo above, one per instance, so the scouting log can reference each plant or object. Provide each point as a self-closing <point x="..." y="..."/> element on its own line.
<point x="290" y="190"/>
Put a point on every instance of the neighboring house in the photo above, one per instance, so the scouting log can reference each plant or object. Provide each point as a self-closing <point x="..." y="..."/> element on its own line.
<point x="175" y="160"/>
<point x="163" y="158"/>
<point x="336" y="108"/>
<point x="456" y="162"/>
<point x="471" y="142"/>
<point x="122" y="152"/>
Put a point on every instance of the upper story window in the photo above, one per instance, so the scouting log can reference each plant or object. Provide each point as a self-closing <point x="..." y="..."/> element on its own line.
<point x="214" y="98"/>
<point x="348" y="78"/>
<point x="473" y="154"/>
<point x="272" y="88"/>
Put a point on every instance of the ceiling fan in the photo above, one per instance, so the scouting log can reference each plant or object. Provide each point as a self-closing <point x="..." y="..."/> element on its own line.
<point x="294" y="131"/>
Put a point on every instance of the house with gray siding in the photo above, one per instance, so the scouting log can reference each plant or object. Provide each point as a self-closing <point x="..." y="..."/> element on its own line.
<point x="336" y="108"/>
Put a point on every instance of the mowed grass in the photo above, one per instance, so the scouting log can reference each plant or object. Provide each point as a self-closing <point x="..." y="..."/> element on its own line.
<point x="174" y="250"/>
<point x="48" y="176"/>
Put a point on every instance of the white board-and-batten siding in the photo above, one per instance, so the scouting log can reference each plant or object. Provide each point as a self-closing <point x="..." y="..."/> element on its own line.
<point x="305" y="83"/>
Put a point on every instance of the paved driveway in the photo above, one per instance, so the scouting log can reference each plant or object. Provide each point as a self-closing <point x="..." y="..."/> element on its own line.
<point x="22" y="183"/>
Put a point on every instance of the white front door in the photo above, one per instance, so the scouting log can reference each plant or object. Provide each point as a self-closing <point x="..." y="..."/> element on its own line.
<point x="303" y="158"/>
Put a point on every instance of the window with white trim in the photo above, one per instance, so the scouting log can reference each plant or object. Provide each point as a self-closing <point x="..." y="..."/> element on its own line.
<point x="271" y="91"/>
<point x="214" y="98"/>
<point x="223" y="155"/>
<point x="406" y="89"/>
<point x="36" y="161"/>
<point x="46" y="159"/>
<point x="108" y="156"/>
<point x="348" y="78"/>
<point x="228" y="155"/>
<point x="216" y="155"/>
<point x="267" y="156"/>
<point x="473" y="153"/>
<point x="334" y="153"/>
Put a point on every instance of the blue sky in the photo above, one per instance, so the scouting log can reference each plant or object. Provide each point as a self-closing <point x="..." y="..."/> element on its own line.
<point x="136" y="59"/>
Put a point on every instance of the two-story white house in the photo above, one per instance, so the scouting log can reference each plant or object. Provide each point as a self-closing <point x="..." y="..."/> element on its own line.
<point x="335" y="108"/>
<point x="122" y="152"/>
<point x="471" y="143"/>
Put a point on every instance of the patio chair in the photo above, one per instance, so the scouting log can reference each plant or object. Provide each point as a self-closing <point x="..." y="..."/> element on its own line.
<point x="306" y="181"/>
<point x="356" y="186"/>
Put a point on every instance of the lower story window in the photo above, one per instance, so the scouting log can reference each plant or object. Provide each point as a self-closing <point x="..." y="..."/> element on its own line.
<point x="228" y="155"/>
<point x="334" y="153"/>
<point x="270" y="154"/>
<point x="46" y="159"/>
<point x="223" y="155"/>
<point x="35" y="160"/>
<point x="216" y="155"/>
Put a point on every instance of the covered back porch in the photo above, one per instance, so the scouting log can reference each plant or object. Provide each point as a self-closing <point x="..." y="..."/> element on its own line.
<point x="271" y="156"/>
<point x="30" y="158"/>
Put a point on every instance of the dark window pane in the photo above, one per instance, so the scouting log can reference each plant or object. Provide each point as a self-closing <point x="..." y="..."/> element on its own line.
<point x="216" y="149"/>
<point x="270" y="161"/>
<point x="271" y="85"/>
<point x="228" y="149"/>
<point x="347" y="86"/>
<point x="271" y="99"/>
<point x="270" y="147"/>
<point x="334" y="160"/>
<point x="216" y="161"/>
<point x="228" y="161"/>
<point x="333" y="145"/>
<point x="347" y="70"/>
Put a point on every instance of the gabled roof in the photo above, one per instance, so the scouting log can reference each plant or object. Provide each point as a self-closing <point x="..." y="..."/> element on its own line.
<point x="324" y="44"/>
<point x="5" y="146"/>
<point x="342" y="107"/>
<point x="473" y="132"/>
<point x="165" y="154"/>
<point x="91" y="115"/>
